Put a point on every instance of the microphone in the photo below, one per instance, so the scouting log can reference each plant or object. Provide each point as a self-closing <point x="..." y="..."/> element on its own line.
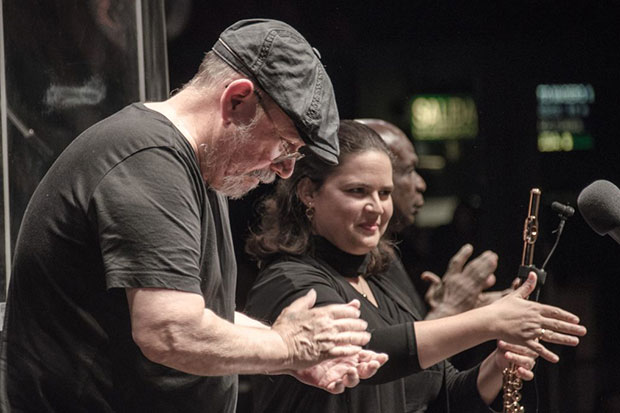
<point x="566" y="211"/>
<point x="599" y="204"/>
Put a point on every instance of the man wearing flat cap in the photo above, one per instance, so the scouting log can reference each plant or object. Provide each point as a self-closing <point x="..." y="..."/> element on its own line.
<point x="123" y="281"/>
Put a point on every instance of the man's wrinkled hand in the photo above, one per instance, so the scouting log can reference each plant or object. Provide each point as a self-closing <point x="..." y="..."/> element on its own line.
<point x="335" y="375"/>
<point x="311" y="334"/>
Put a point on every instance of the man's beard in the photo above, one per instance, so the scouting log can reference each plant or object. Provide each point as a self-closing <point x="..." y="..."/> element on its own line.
<point x="220" y="157"/>
<point x="235" y="187"/>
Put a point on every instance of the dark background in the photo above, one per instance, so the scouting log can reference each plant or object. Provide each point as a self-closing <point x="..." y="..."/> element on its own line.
<point x="379" y="54"/>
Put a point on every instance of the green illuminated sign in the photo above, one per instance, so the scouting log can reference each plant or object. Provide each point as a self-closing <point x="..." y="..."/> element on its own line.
<point x="563" y="111"/>
<point x="550" y="141"/>
<point x="437" y="117"/>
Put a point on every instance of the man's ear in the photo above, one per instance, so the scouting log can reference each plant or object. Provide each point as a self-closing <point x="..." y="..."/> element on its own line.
<point x="306" y="191"/>
<point x="238" y="102"/>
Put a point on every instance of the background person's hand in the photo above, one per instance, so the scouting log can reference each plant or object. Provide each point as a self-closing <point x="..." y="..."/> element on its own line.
<point x="460" y="289"/>
<point x="489" y="297"/>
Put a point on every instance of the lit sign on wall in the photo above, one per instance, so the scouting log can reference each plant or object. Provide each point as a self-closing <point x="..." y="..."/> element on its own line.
<point x="435" y="117"/>
<point x="563" y="111"/>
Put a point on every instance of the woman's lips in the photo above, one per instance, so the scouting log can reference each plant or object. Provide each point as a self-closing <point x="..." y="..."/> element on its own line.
<point x="370" y="227"/>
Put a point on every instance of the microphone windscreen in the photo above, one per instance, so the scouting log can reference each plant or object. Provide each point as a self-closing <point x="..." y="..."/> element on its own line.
<point x="599" y="204"/>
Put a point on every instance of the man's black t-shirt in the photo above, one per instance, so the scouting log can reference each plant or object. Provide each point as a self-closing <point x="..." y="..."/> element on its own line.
<point x="124" y="206"/>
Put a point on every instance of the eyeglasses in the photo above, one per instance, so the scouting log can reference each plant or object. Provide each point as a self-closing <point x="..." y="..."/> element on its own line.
<point x="289" y="152"/>
<point x="288" y="148"/>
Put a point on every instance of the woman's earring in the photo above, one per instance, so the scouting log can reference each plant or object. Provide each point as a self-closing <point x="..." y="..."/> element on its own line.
<point x="310" y="212"/>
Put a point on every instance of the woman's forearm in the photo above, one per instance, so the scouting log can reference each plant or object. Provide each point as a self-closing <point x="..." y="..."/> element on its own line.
<point x="440" y="339"/>
<point x="489" y="381"/>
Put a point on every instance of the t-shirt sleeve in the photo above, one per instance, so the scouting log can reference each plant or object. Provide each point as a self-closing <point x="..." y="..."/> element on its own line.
<point x="282" y="283"/>
<point x="147" y="212"/>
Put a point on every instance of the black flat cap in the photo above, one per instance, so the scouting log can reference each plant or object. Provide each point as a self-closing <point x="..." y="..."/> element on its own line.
<point x="286" y="67"/>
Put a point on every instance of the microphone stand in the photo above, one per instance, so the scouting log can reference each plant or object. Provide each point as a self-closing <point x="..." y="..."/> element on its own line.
<point x="564" y="214"/>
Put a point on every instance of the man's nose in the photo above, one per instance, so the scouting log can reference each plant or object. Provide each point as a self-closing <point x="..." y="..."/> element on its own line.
<point x="420" y="183"/>
<point x="284" y="169"/>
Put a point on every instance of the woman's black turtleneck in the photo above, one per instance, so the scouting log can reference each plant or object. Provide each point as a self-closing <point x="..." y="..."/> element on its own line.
<point x="398" y="386"/>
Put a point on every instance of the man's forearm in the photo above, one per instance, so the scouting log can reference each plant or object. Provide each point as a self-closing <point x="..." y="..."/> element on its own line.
<point x="217" y="347"/>
<point x="173" y="328"/>
<point x="243" y="320"/>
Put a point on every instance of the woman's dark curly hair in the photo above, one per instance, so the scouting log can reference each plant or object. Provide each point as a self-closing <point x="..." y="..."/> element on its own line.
<point x="284" y="227"/>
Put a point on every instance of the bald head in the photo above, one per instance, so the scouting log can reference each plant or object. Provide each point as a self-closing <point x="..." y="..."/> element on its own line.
<point x="408" y="185"/>
<point x="389" y="132"/>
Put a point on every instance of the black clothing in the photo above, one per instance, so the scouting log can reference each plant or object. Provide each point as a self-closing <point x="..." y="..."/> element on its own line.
<point x="124" y="206"/>
<point x="400" y="385"/>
